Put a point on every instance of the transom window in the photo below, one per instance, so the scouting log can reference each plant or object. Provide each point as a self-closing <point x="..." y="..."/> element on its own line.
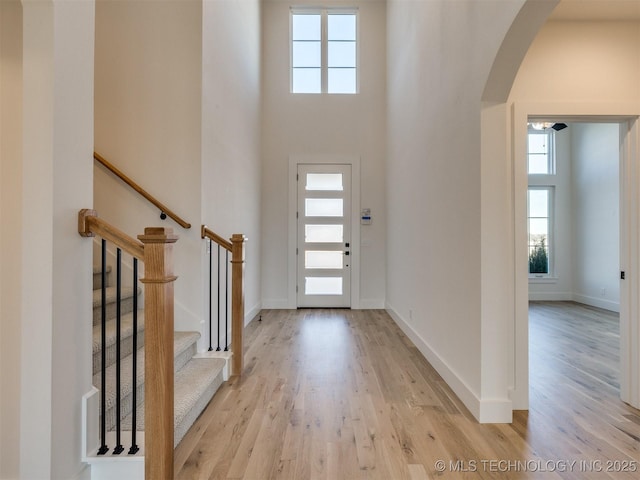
<point x="324" y="51"/>
<point x="540" y="156"/>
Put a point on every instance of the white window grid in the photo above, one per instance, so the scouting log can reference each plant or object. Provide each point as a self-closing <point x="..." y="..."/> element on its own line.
<point x="324" y="45"/>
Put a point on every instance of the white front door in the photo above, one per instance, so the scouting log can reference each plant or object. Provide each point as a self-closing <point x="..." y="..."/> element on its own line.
<point x="324" y="236"/>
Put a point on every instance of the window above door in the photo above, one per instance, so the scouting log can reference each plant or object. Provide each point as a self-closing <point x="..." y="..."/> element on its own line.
<point x="324" y="50"/>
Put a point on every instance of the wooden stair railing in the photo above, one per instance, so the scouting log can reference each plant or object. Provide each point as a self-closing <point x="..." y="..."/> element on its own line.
<point x="236" y="247"/>
<point x="164" y="210"/>
<point x="155" y="248"/>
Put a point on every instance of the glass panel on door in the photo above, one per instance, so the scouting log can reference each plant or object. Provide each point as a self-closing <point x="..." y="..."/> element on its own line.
<point x="323" y="286"/>
<point x="323" y="207"/>
<point x="324" y="181"/>
<point x="323" y="233"/>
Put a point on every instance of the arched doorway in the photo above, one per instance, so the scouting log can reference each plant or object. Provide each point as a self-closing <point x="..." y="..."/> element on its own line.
<point x="504" y="180"/>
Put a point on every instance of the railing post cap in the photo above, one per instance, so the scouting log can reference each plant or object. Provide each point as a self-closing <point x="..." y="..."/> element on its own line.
<point x="158" y="235"/>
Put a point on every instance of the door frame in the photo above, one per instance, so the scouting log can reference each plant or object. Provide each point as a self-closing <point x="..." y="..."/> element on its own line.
<point x="323" y="159"/>
<point x="627" y="115"/>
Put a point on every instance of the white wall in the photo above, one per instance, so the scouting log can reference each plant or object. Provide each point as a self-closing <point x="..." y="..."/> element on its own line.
<point x="10" y="234"/>
<point x="446" y="212"/>
<point x="294" y="124"/>
<point x="47" y="138"/>
<point x="586" y="62"/>
<point x="148" y="76"/>
<point x="231" y="157"/>
<point x="177" y="109"/>
<point x="596" y="218"/>
<point x="72" y="187"/>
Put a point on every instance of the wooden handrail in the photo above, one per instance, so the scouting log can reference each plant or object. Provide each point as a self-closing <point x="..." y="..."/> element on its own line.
<point x="122" y="176"/>
<point x="155" y="248"/>
<point x="89" y="225"/>
<point x="211" y="235"/>
<point x="236" y="246"/>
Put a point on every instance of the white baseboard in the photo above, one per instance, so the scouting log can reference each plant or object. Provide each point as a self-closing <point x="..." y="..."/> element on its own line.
<point x="597" y="302"/>
<point x="574" y="297"/>
<point x="283" y="304"/>
<point x="226" y="356"/>
<point x="90" y="423"/>
<point x="109" y="468"/>
<point x="252" y="313"/>
<point x="550" y="296"/>
<point x="105" y="467"/>
<point x="484" y="410"/>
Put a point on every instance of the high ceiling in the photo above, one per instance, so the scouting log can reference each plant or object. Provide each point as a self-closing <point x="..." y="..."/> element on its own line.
<point x="597" y="10"/>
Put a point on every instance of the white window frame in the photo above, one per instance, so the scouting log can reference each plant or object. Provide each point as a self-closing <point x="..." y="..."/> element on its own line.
<point x="551" y="156"/>
<point x="324" y="12"/>
<point x="544" y="181"/>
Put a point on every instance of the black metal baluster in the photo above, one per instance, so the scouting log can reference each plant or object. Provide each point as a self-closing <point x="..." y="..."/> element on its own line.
<point x="218" y="349"/>
<point x="134" y="370"/>
<point x="210" y="294"/>
<point x="103" y="354"/>
<point x="118" y="449"/>
<point x="226" y="301"/>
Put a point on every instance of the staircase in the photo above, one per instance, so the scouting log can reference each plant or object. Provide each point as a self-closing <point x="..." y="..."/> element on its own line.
<point x="197" y="378"/>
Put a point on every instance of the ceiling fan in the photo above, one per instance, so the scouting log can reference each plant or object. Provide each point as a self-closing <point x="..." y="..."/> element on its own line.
<point x="544" y="125"/>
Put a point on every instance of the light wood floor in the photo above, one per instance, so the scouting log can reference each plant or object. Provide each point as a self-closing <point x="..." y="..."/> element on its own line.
<point x="341" y="394"/>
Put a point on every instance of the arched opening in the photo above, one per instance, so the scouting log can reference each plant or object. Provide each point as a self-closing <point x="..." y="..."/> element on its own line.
<point x="578" y="86"/>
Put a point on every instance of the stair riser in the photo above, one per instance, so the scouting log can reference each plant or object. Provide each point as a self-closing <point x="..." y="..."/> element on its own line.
<point x="182" y="359"/>
<point x="97" y="280"/>
<point x="189" y="405"/>
<point x="126" y="405"/>
<point x="181" y="429"/>
<point x="126" y="348"/>
<point x="111" y="310"/>
<point x="126" y="401"/>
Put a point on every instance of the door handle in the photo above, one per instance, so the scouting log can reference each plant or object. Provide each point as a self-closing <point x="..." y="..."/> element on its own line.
<point x="347" y="252"/>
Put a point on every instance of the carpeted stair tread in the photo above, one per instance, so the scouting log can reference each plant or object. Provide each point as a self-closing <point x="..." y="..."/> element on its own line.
<point x="126" y="292"/>
<point x="97" y="276"/>
<point x="126" y="331"/>
<point x="184" y="348"/>
<point x="97" y="269"/>
<point x="195" y="385"/>
<point x="126" y="305"/>
<point x="196" y="380"/>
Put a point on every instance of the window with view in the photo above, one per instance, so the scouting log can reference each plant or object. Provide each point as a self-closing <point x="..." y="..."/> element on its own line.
<point x="324" y="51"/>
<point x="541" y="167"/>
<point x="539" y="201"/>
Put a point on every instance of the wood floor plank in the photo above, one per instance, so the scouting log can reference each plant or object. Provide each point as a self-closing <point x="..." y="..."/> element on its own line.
<point x="344" y="395"/>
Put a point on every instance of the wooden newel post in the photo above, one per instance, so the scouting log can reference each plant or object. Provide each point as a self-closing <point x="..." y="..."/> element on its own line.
<point x="237" y="303"/>
<point x="158" y="351"/>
